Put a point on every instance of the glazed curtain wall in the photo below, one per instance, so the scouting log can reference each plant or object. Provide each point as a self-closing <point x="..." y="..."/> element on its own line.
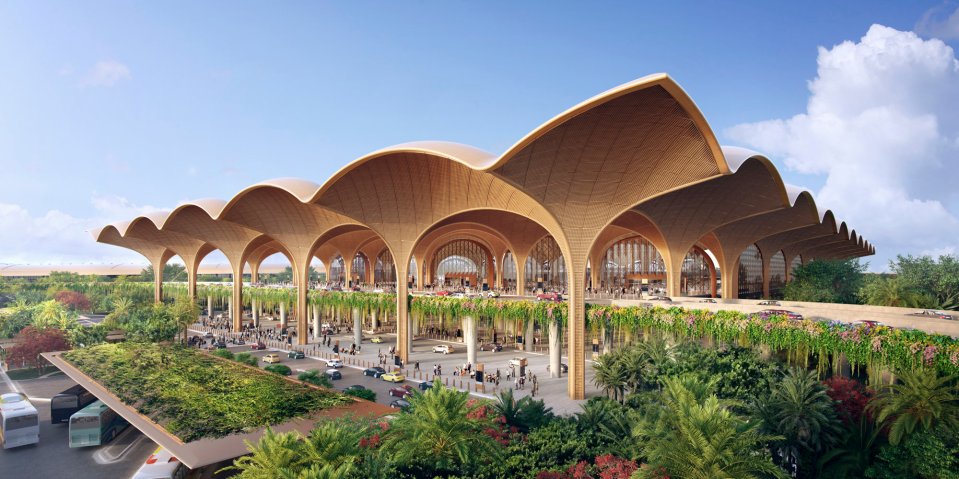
<point x="545" y="267"/>
<point x="751" y="273"/>
<point x="630" y="261"/>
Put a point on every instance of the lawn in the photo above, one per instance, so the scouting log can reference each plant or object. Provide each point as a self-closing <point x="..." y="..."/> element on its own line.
<point x="196" y="396"/>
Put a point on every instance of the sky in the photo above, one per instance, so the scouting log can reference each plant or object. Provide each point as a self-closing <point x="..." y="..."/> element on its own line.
<point x="112" y="109"/>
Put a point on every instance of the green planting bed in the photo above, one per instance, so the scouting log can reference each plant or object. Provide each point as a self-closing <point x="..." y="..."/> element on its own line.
<point x="194" y="395"/>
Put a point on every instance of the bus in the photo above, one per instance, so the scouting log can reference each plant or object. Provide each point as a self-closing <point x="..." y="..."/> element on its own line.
<point x="63" y="405"/>
<point x="19" y="421"/>
<point x="94" y="425"/>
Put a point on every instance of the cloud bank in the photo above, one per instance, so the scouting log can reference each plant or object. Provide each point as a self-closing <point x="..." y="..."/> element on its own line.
<point x="57" y="237"/>
<point x="106" y="73"/>
<point x="882" y="125"/>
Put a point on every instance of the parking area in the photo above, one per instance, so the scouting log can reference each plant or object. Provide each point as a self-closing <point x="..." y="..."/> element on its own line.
<point x="53" y="458"/>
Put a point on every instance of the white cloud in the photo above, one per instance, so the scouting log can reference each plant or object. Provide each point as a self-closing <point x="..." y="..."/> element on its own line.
<point x="882" y="124"/>
<point x="106" y="73"/>
<point x="57" y="237"/>
<point x="939" y="22"/>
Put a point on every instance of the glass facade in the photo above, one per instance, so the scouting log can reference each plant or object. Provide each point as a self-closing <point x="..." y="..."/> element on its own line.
<point x="795" y="263"/>
<point x="777" y="274"/>
<point x="696" y="274"/>
<point x="337" y="271"/>
<point x="384" y="273"/>
<point x="358" y="271"/>
<point x="545" y="267"/>
<point x="509" y="271"/>
<point x="751" y="273"/>
<point x="462" y="263"/>
<point x="630" y="263"/>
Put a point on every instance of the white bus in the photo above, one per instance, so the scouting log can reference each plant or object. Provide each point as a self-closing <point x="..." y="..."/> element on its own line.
<point x="19" y="421"/>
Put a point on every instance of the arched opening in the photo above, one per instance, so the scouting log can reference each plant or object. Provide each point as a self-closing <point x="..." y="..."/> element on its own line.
<point x="546" y="267"/>
<point x="698" y="277"/>
<point x="777" y="274"/>
<point x="751" y="273"/>
<point x="337" y="272"/>
<point x="509" y="271"/>
<point x="411" y="275"/>
<point x="384" y="273"/>
<point x="633" y="264"/>
<point x="463" y="264"/>
<point x="358" y="273"/>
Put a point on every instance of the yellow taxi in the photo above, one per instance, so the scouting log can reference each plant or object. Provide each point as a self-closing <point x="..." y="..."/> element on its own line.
<point x="271" y="358"/>
<point x="394" y="377"/>
<point x="376" y="340"/>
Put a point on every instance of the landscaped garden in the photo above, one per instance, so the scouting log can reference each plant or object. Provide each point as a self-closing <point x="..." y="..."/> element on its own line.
<point x="194" y="395"/>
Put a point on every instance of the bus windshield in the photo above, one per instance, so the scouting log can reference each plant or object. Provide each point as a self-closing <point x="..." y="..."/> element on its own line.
<point x="19" y="421"/>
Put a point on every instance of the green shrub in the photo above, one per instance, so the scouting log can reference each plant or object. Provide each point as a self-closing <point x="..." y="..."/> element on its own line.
<point x="223" y="353"/>
<point x="314" y="377"/>
<point x="281" y="369"/>
<point x="247" y="358"/>
<point x="362" y="394"/>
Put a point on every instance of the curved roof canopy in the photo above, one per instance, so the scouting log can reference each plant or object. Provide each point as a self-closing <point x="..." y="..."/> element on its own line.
<point x="639" y="157"/>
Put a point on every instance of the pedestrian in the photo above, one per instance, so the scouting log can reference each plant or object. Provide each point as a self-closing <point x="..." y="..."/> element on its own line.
<point x="416" y="366"/>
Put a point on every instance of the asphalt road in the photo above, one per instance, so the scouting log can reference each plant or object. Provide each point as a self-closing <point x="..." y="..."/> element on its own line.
<point x="53" y="458"/>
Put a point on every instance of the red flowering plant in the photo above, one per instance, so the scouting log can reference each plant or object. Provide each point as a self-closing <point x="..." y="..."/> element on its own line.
<point x="496" y="428"/>
<point x="374" y="437"/>
<point x="850" y="397"/>
<point x="606" y="466"/>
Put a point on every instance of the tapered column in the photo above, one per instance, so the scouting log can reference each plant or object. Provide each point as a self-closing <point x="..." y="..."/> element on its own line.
<point x="209" y="306"/>
<point x="255" y="310"/>
<point x="347" y="271"/>
<point x="316" y="322"/>
<point x="237" y="305"/>
<point x="158" y="281"/>
<point x="520" y="275"/>
<point x="555" y="349"/>
<point x="191" y="282"/>
<point x="373" y="320"/>
<point x="729" y="270"/>
<point x="403" y="337"/>
<point x="674" y="273"/>
<point x="576" y="386"/>
<point x="283" y="314"/>
<point x="766" y="267"/>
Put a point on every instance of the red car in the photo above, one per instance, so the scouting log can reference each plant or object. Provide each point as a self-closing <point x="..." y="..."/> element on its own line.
<point x="442" y="293"/>
<point x="549" y="297"/>
<point x="402" y="392"/>
<point x="258" y="346"/>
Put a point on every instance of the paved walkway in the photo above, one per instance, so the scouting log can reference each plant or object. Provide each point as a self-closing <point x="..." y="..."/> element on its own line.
<point x="552" y="390"/>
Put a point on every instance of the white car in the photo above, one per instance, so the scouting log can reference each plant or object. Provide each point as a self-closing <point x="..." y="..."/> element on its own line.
<point x="492" y="294"/>
<point x="334" y="363"/>
<point x="517" y="361"/>
<point x="161" y="464"/>
<point x="443" y="348"/>
<point x="458" y="295"/>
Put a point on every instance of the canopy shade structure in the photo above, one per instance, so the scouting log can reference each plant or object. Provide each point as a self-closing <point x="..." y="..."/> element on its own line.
<point x="638" y="160"/>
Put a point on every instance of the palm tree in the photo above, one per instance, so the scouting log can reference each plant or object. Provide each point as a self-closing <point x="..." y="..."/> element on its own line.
<point x="274" y="456"/>
<point x="612" y="375"/>
<point x="921" y="400"/>
<point x="439" y="428"/>
<point x="699" y="438"/>
<point x="524" y="414"/>
<point x="336" y="444"/>
<point x="122" y="307"/>
<point x="801" y="411"/>
<point x="314" y="377"/>
<point x="185" y="312"/>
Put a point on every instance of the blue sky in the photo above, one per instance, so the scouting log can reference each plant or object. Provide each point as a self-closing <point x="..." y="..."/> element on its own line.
<point x="107" y="108"/>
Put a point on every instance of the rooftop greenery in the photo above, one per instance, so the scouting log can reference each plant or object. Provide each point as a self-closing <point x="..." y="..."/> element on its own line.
<point x="194" y="395"/>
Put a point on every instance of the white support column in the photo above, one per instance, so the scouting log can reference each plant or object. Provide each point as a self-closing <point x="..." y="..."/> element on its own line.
<point x="555" y="349"/>
<point x="469" y="337"/>
<point x="357" y="327"/>
<point x="316" y="322"/>
<point x="283" y="314"/>
<point x="528" y="337"/>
